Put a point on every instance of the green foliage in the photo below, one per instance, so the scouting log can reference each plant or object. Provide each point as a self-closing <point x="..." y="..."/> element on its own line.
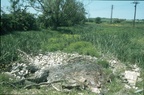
<point x="98" y="20"/>
<point x="29" y="42"/>
<point x="90" y="20"/>
<point x="124" y="42"/>
<point x="115" y="87"/>
<point x="59" y="43"/>
<point x="82" y="47"/>
<point x="103" y="63"/>
<point x="6" y="23"/>
<point x="24" y="21"/>
<point x="3" y="78"/>
<point x="17" y="22"/>
<point x="57" y="13"/>
<point x="118" y="20"/>
<point x="18" y="19"/>
<point x="4" y="88"/>
<point x="77" y="14"/>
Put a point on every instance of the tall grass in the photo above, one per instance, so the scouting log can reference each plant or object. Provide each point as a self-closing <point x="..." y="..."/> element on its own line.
<point x="125" y="42"/>
<point x="30" y="42"/>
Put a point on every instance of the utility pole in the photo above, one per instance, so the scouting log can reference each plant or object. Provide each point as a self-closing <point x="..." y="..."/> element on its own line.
<point x="88" y="15"/>
<point x="135" y="2"/>
<point x="111" y="13"/>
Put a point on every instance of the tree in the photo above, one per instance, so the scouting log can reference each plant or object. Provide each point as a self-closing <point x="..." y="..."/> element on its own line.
<point x="60" y="12"/>
<point x="98" y="20"/>
<point x="73" y="13"/>
<point x="18" y="19"/>
<point x="23" y="20"/>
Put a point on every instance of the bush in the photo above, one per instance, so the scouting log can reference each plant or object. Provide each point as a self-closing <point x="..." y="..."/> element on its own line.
<point x="6" y="23"/>
<point x="118" y="20"/>
<point x="20" y="21"/>
<point x="90" y="20"/>
<point x="98" y="20"/>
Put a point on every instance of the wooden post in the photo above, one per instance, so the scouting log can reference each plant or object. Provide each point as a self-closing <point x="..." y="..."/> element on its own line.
<point x="135" y="12"/>
<point x="111" y="13"/>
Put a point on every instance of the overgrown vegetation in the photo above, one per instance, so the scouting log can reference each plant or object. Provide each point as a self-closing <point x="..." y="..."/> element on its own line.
<point x="54" y="13"/>
<point x="123" y="42"/>
<point x="34" y="35"/>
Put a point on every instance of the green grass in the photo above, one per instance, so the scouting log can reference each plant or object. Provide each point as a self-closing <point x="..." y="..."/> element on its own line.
<point x="122" y="41"/>
<point x="126" y="43"/>
<point x="82" y="47"/>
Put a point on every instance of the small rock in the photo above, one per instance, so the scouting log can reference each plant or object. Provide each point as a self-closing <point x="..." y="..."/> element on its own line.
<point x="139" y="79"/>
<point x="127" y="86"/>
<point x="95" y="90"/>
<point x="131" y="77"/>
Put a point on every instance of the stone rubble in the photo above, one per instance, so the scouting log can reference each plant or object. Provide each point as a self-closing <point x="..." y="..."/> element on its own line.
<point x="130" y="77"/>
<point x="53" y="65"/>
<point x="116" y="66"/>
<point x="49" y="67"/>
<point x="45" y="61"/>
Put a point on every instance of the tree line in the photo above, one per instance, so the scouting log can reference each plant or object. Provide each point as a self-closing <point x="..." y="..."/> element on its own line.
<point x="52" y="13"/>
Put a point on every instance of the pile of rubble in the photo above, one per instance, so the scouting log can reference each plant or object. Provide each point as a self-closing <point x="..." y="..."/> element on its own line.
<point x="61" y="70"/>
<point x="64" y="71"/>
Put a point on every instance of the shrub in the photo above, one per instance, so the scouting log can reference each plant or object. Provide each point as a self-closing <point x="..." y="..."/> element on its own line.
<point x="118" y="20"/>
<point x="20" y="21"/>
<point x="98" y="20"/>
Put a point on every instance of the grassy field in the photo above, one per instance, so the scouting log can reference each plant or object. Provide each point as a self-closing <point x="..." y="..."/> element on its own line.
<point x="124" y="42"/>
<point x="120" y="40"/>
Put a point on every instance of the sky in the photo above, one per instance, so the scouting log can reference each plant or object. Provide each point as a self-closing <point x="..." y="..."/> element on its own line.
<point x="102" y="8"/>
<point x="121" y="9"/>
